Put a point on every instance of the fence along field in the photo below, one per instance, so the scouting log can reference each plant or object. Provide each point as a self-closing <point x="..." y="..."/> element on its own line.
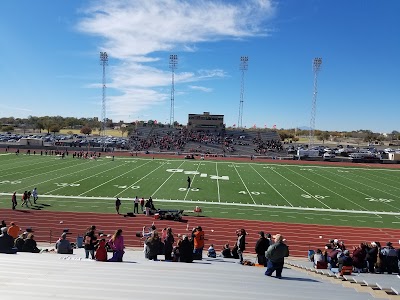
<point x="292" y="193"/>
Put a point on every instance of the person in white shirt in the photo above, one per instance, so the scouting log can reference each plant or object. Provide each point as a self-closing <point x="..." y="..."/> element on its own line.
<point x="136" y="205"/>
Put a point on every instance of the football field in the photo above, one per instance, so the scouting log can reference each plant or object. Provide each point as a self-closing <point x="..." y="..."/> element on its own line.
<point x="357" y="196"/>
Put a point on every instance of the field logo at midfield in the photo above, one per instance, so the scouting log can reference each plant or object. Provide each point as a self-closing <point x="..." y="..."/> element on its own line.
<point x="215" y="177"/>
<point x="10" y="182"/>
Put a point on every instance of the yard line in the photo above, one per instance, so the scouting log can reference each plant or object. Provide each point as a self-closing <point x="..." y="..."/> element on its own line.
<point x="26" y="167"/>
<point x="216" y="169"/>
<point x="245" y="186"/>
<point x="271" y="186"/>
<point x="312" y="196"/>
<point x="113" y="178"/>
<point x="328" y="189"/>
<point x="148" y="174"/>
<point x="360" y="192"/>
<point x="172" y="174"/>
<point x="61" y="176"/>
<point x="187" y="192"/>
<point x="370" y="186"/>
<point x="386" y="178"/>
<point x="94" y="175"/>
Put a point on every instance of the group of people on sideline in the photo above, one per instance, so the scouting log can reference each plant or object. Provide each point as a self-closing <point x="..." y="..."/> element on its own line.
<point x="367" y="257"/>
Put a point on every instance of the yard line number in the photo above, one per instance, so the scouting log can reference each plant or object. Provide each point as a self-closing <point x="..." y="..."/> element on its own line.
<point x="67" y="184"/>
<point x="382" y="200"/>
<point x="10" y="182"/>
<point x="313" y="196"/>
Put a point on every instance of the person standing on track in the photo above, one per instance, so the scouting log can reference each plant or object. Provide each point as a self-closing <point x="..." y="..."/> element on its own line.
<point x="136" y="205"/>
<point x="14" y="200"/>
<point x="188" y="181"/>
<point x="117" y="205"/>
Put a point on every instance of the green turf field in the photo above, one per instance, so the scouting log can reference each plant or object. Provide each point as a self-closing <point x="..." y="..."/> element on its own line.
<point x="291" y="193"/>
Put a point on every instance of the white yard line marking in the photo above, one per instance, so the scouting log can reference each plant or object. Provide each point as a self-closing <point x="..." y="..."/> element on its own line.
<point x="245" y="186"/>
<point x="216" y="169"/>
<point x="194" y="176"/>
<point x="172" y="174"/>
<point x="328" y="189"/>
<point x="137" y="181"/>
<point x="299" y="187"/>
<point x="369" y="186"/>
<point x="360" y="192"/>
<point x="112" y="179"/>
<point x="94" y="175"/>
<point x="271" y="186"/>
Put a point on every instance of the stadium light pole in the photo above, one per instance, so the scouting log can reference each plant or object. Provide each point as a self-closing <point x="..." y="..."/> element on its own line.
<point x="317" y="62"/>
<point x="173" y="62"/>
<point x="103" y="63"/>
<point x="244" y="62"/>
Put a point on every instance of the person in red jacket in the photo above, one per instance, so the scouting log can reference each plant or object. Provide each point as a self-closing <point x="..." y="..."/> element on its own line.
<point x="101" y="252"/>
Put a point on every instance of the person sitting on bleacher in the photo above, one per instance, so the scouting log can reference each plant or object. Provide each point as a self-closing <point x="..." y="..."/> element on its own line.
<point x="63" y="246"/>
<point x="6" y="242"/>
<point x="318" y="257"/>
<point x="20" y="241"/>
<point x="211" y="252"/>
<point x="30" y="244"/>
<point x="345" y="260"/>
<point x="226" y="251"/>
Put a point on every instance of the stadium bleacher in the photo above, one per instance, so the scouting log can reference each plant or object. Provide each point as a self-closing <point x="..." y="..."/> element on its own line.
<point x="55" y="276"/>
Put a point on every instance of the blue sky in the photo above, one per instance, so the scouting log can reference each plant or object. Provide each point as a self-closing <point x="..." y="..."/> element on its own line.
<point x="50" y="60"/>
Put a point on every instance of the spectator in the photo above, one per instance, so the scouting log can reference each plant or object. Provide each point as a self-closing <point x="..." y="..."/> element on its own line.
<point x="63" y="246"/>
<point x="176" y="251"/>
<point x="6" y="242"/>
<point x="241" y="244"/>
<point x="226" y="251"/>
<point x="186" y="250"/>
<point x="389" y="256"/>
<point x="276" y="254"/>
<point x="20" y="241"/>
<point x="235" y="253"/>
<point x="153" y="246"/>
<point x="359" y="255"/>
<point x="211" y="252"/>
<point x="117" y="245"/>
<point x="90" y="241"/>
<point x="318" y="257"/>
<point x="14" y="230"/>
<point x="198" y="238"/>
<point x="168" y="244"/>
<point x="30" y="244"/>
<point x="101" y="251"/>
<point x="345" y="260"/>
<point x="372" y="254"/>
<point x="261" y="246"/>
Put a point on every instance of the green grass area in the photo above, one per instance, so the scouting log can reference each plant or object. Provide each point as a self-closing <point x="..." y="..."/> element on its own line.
<point x="354" y="196"/>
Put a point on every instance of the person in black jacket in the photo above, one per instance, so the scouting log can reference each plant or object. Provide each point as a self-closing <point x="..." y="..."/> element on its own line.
<point x="30" y="244"/>
<point x="261" y="246"/>
<point x="241" y="243"/>
<point x="6" y="242"/>
<point x="186" y="250"/>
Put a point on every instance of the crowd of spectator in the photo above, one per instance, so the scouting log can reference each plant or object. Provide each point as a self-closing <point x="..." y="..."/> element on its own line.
<point x="262" y="147"/>
<point x="367" y="257"/>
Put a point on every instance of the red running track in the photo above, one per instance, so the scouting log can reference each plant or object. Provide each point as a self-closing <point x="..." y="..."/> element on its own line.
<point x="300" y="237"/>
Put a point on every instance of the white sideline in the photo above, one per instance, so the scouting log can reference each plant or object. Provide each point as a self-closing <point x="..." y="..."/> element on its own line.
<point x="388" y="213"/>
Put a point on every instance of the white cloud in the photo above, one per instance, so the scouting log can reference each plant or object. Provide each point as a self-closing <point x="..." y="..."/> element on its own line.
<point x="135" y="32"/>
<point x="201" y="88"/>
